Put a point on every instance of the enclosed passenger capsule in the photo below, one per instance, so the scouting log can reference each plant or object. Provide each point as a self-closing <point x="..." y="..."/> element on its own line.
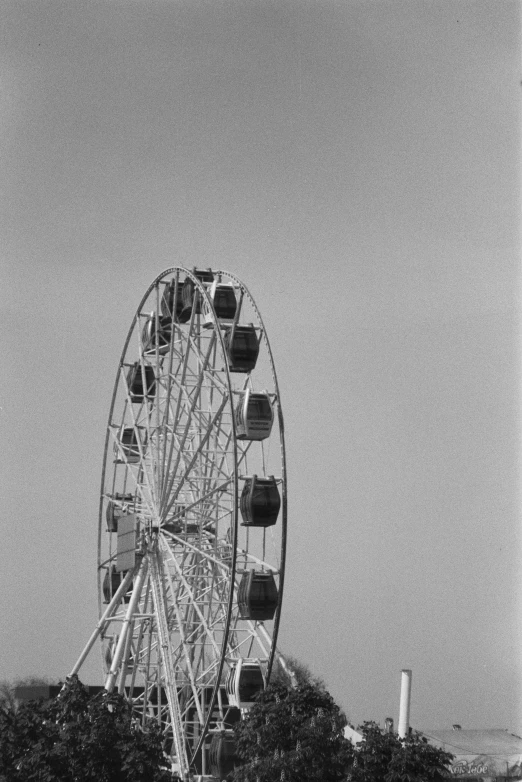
<point x="135" y="378"/>
<point x="111" y="582"/>
<point x="117" y="507"/>
<point x="254" y="416"/>
<point x="242" y="346"/>
<point x="224" y="301"/>
<point x="167" y="300"/>
<point x="190" y="293"/>
<point x="244" y="681"/>
<point x="260" y="502"/>
<point x="222" y="754"/>
<point x="257" y="596"/>
<point x="129" y="444"/>
<point x="159" y="336"/>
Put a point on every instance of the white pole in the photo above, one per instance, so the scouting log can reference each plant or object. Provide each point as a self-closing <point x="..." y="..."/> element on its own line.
<point x="404" y="708"/>
<point x="105" y="619"/>
<point x="118" y="652"/>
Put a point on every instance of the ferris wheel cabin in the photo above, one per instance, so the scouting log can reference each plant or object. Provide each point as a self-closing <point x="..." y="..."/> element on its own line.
<point x="260" y="502"/>
<point x="222" y="754"/>
<point x="111" y="582"/>
<point x="129" y="443"/>
<point x="254" y="416"/>
<point x="225" y="305"/>
<point x="167" y="301"/>
<point x="157" y="336"/>
<point x="242" y="346"/>
<point x="257" y="596"/>
<point x="190" y="295"/>
<point x="117" y="507"/>
<point x="244" y="681"/>
<point x="135" y="377"/>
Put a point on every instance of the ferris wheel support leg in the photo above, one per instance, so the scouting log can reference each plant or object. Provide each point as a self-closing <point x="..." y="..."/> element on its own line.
<point x="104" y="621"/>
<point x="118" y="653"/>
<point x="125" y="660"/>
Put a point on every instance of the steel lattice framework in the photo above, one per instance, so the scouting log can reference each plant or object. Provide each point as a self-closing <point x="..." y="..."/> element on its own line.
<point x="172" y="548"/>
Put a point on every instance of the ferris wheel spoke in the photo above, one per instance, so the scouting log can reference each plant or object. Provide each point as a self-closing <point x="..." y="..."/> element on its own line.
<point x="196" y="592"/>
<point x="175" y="493"/>
<point x="222" y="449"/>
<point x="165" y="657"/>
<point x="184" y="356"/>
<point x="201" y="500"/>
<point x="185" y="647"/>
<point x="194" y="401"/>
<point x="185" y="545"/>
<point x="224" y="457"/>
<point x="194" y="604"/>
<point x="133" y="469"/>
<point x="170" y="379"/>
<point x="243" y="453"/>
<point x="144" y="414"/>
<point x="138" y="421"/>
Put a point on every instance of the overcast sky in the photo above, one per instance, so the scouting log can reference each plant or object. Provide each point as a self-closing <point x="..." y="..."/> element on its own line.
<point x="357" y="164"/>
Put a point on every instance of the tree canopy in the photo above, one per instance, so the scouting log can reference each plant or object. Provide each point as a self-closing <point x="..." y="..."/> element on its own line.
<point x="77" y="737"/>
<point x="384" y="757"/>
<point x="296" y="734"/>
<point x="292" y="734"/>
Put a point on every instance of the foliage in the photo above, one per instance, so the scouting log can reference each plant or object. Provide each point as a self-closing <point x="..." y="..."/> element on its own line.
<point x="384" y="757"/>
<point x="76" y="738"/>
<point x="292" y="672"/>
<point x="374" y="754"/>
<point x="292" y="734"/>
<point x="419" y="761"/>
<point x="297" y="735"/>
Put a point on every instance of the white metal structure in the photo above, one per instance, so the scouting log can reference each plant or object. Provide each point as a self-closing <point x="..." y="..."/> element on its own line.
<point x="169" y="619"/>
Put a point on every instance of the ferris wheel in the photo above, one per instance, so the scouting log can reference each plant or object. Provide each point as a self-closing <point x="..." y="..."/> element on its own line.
<point x="192" y="523"/>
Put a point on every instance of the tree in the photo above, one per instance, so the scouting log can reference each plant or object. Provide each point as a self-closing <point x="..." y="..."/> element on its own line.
<point x="373" y="755"/>
<point x="292" y="734"/>
<point x="290" y="671"/>
<point x="17" y="731"/>
<point x="75" y="738"/>
<point x="384" y="757"/>
<point x="419" y="760"/>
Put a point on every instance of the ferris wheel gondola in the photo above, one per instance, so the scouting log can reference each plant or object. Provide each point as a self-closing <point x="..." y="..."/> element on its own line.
<point x="192" y="523"/>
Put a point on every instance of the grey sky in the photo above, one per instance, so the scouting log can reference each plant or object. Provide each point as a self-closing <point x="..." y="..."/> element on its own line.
<point x="357" y="165"/>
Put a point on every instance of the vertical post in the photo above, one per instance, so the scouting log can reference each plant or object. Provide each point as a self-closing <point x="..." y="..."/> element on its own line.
<point x="122" y="641"/>
<point x="404" y="708"/>
<point x="105" y="619"/>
